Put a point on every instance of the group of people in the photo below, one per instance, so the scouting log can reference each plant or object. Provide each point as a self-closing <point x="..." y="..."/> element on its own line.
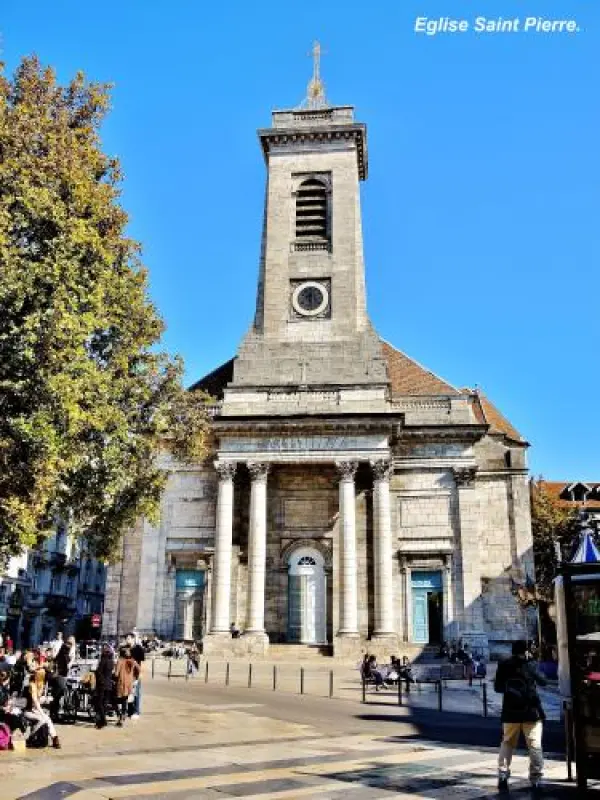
<point x="383" y="675"/>
<point x="34" y="682"/>
<point x="27" y="678"/>
<point x="117" y="681"/>
<point x="460" y="653"/>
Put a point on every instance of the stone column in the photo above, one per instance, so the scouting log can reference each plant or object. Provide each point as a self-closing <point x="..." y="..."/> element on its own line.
<point x="383" y="550"/>
<point x="257" y="549"/>
<point x="221" y="578"/>
<point x="406" y="599"/>
<point x="468" y="508"/>
<point x="348" y="559"/>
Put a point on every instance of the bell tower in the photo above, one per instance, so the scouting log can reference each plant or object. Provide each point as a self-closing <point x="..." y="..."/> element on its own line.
<point x="311" y="327"/>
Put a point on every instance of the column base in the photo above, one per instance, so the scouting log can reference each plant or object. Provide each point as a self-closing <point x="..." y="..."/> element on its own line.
<point x="384" y="645"/>
<point x="349" y="645"/>
<point x="218" y="643"/>
<point x="223" y="645"/>
<point x="255" y="643"/>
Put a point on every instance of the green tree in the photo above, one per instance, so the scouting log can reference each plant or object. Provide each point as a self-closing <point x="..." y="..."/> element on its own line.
<point x="551" y="524"/>
<point x="86" y="398"/>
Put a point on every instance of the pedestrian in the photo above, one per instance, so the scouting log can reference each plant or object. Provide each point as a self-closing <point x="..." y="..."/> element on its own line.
<point x="104" y="684"/>
<point x="9" y="644"/>
<point x="62" y="664"/>
<point x="139" y="656"/>
<point x="126" y="672"/>
<point x="56" y="644"/>
<point x="517" y="680"/>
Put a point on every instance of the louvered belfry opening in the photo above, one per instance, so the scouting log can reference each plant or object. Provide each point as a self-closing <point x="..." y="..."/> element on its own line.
<point x="311" y="210"/>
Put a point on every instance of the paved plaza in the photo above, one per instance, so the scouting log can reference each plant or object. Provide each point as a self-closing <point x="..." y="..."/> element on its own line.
<point x="198" y="740"/>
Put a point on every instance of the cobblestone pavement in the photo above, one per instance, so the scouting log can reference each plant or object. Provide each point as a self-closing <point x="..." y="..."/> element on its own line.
<point x="198" y="741"/>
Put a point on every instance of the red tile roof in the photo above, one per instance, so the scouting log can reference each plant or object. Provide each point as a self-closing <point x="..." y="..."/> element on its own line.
<point x="486" y="412"/>
<point x="407" y="377"/>
<point x="410" y="378"/>
<point x="556" y="488"/>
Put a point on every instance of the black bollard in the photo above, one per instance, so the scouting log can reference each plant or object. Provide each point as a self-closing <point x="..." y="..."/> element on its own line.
<point x="227" y="674"/>
<point x="485" y="705"/>
<point x="153" y="660"/>
<point x="274" y="677"/>
<point x="206" y="673"/>
<point x="301" y="680"/>
<point x="399" y="691"/>
<point x="439" y="695"/>
<point x="249" y="676"/>
<point x="330" y="683"/>
<point x="169" y="672"/>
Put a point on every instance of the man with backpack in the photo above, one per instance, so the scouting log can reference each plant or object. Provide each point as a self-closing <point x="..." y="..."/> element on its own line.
<point x="522" y="710"/>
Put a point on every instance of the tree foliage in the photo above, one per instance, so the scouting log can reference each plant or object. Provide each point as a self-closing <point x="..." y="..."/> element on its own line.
<point x="551" y="523"/>
<point x="86" y="398"/>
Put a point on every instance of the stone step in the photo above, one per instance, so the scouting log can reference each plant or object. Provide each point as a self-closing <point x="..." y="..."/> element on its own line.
<point x="299" y="652"/>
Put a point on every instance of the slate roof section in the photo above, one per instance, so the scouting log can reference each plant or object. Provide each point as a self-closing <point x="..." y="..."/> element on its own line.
<point x="408" y="377"/>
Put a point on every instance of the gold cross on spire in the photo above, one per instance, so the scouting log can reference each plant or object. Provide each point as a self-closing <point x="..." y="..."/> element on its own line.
<point x="315" y="95"/>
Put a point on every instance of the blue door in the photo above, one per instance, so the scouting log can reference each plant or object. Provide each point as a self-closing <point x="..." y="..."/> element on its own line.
<point x="420" y="616"/>
<point x="424" y="585"/>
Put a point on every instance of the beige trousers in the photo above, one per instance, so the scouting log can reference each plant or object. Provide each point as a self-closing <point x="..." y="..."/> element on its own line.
<point x="510" y="739"/>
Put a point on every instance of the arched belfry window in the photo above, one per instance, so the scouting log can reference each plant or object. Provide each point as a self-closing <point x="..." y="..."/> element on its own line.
<point x="311" y="210"/>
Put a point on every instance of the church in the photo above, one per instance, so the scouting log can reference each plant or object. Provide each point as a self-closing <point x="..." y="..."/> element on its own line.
<point x="351" y="499"/>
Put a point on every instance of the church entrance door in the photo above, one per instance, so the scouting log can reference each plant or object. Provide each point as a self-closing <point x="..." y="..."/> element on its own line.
<point x="427" y="605"/>
<point x="189" y="605"/>
<point x="307" y="616"/>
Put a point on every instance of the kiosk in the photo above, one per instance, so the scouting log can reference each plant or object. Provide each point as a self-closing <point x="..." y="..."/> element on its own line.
<point x="578" y="603"/>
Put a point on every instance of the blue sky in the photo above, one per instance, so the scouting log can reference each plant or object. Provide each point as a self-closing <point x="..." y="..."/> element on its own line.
<point x="480" y="214"/>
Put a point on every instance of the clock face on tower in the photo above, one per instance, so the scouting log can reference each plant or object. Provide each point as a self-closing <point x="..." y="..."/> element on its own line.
<point x="310" y="298"/>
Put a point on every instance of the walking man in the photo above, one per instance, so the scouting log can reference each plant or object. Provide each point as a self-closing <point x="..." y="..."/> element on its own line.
<point x="522" y="710"/>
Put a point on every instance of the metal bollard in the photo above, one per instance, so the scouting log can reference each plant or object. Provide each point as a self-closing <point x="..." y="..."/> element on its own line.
<point x="206" y="673"/>
<point x="364" y="690"/>
<point x="439" y="695"/>
<point x="399" y="691"/>
<point x="485" y="705"/>
<point x="169" y="672"/>
<point x="227" y="674"/>
<point x="249" y="676"/>
<point x="330" y="683"/>
<point x="153" y="661"/>
<point x="301" y="680"/>
<point x="274" y="677"/>
<point x="187" y="669"/>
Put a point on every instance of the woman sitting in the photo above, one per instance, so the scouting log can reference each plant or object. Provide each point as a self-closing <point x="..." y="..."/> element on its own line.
<point x="34" y="713"/>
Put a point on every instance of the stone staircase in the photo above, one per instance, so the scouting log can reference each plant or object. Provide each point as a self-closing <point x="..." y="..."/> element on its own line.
<point x="299" y="652"/>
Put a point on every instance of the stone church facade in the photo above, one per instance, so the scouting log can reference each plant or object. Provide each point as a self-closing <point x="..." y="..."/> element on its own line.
<point x="350" y="494"/>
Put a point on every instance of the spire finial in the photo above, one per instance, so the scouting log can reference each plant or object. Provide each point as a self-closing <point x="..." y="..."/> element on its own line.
<point x="315" y="93"/>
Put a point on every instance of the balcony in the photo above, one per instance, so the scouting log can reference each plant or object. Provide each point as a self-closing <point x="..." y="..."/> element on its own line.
<point x="57" y="559"/>
<point x="35" y="598"/>
<point x="60" y="604"/>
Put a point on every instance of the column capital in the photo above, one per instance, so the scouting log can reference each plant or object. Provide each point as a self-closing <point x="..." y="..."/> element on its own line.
<point x="381" y="469"/>
<point x="465" y="476"/>
<point x="258" y="470"/>
<point x="225" y="469"/>
<point x="346" y="469"/>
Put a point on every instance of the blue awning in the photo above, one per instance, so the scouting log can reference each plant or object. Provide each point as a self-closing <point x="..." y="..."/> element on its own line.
<point x="587" y="552"/>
